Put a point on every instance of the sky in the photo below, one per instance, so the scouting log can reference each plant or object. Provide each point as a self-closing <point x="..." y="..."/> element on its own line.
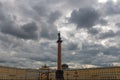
<point x="90" y="30"/>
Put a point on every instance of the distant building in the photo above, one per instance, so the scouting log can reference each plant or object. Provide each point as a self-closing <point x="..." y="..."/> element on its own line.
<point x="105" y="73"/>
<point x="10" y="73"/>
<point x="45" y="73"/>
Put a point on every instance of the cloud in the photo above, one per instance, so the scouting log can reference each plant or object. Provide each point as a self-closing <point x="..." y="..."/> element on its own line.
<point x="48" y="31"/>
<point x="72" y="46"/>
<point x="41" y="10"/>
<point x="54" y="16"/>
<point x="84" y="17"/>
<point x="112" y="8"/>
<point x="117" y="24"/>
<point x="80" y="3"/>
<point x="108" y="34"/>
<point x="27" y="31"/>
<point x="104" y="59"/>
<point x="93" y="31"/>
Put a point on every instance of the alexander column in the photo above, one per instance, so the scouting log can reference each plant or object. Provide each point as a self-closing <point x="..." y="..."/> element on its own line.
<point x="59" y="71"/>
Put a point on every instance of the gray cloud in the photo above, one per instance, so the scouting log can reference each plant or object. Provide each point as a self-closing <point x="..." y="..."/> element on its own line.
<point x="22" y="22"/>
<point x="103" y="22"/>
<point x="93" y="31"/>
<point x="109" y="34"/>
<point x="2" y="14"/>
<point x="54" y="16"/>
<point x="117" y="24"/>
<point x="41" y="10"/>
<point x="27" y="31"/>
<point x="48" y="31"/>
<point x="97" y="55"/>
<point x="84" y="17"/>
<point x="112" y="8"/>
<point x="80" y="3"/>
<point x="18" y="34"/>
<point x="112" y="51"/>
<point x="49" y="57"/>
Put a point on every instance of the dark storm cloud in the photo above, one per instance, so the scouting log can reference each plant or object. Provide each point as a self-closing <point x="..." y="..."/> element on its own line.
<point x="84" y="17"/>
<point x="27" y="31"/>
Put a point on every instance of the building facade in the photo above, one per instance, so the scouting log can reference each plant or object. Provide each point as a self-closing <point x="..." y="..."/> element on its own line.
<point x="105" y="73"/>
<point x="9" y="73"/>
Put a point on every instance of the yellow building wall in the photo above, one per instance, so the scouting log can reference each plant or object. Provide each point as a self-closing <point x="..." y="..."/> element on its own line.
<point x="93" y="74"/>
<point x="108" y="73"/>
<point x="20" y="74"/>
<point x="7" y="73"/>
<point x="3" y="73"/>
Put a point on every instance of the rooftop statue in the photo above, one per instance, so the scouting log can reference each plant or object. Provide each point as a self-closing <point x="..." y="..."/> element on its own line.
<point x="59" y="38"/>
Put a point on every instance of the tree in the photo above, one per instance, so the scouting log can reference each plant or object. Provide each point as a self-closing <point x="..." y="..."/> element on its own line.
<point x="65" y="66"/>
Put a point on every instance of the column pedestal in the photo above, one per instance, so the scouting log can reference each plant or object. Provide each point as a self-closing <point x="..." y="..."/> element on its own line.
<point x="59" y="75"/>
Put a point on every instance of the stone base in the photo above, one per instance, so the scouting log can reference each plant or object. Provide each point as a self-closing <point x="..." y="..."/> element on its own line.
<point x="59" y="75"/>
